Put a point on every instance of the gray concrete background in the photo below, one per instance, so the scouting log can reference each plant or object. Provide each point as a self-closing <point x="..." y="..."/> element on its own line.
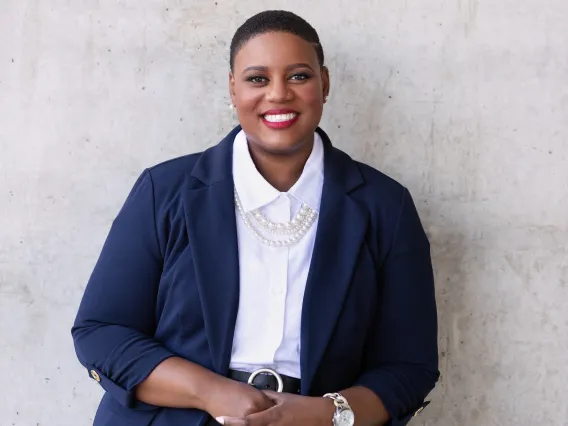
<point x="463" y="101"/>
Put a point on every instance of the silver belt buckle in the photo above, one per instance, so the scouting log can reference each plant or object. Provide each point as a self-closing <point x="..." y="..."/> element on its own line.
<point x="267" y="371"/>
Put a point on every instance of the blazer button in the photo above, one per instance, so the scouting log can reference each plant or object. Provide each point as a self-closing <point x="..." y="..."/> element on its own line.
<point x="95" y="376"/>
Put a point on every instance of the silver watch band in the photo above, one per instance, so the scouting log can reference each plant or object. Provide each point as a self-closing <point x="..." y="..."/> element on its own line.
<point x="338" y="399"/>
<point x="344" y="415"/>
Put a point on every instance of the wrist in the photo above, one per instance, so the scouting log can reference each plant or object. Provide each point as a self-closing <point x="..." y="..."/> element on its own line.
<point x="209" y="390"/>
<point x="326" y="410"/>
<point x="343" y="415"/>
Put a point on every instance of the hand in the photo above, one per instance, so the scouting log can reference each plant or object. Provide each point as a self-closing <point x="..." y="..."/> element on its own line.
<point x="236" y="399"/>
<point x="290" y="410"/>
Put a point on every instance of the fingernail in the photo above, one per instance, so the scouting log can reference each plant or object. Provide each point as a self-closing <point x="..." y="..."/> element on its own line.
<point x="220" y="420"/>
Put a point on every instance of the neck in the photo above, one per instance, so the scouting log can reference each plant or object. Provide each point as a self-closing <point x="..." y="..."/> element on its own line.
<point x="281" y="171"/>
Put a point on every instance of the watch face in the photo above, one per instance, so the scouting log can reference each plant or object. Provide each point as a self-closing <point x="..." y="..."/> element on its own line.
<point x="346" y="418"/>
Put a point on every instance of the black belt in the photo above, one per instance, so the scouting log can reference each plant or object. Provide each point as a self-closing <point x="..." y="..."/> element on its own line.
<point x="267" y="379"/>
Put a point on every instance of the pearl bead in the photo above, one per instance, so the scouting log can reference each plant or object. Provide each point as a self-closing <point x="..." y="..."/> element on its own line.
<point x="297" y="227"/>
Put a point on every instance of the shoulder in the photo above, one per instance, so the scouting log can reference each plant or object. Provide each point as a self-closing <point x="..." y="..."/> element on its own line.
<point x="391" y="209"/>
<point x="173" y="170"/>
<point x="379" y="184"/>
<point x="378" y="190"/>
<point x="170" y="177"/>
<point x="366" y="184"/>
<point x="387" y="200"/>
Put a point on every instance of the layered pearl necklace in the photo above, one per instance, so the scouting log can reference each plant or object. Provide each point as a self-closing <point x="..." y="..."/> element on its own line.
<point x="289" y="232"/>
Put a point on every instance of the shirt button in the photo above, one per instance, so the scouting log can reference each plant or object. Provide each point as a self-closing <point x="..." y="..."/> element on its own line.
<point x="277" y="289"/>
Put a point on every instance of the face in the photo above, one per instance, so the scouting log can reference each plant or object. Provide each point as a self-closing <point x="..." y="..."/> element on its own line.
<point x="278" y="89"/>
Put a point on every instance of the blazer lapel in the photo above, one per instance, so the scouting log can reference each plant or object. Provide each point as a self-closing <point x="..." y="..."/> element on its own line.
<point x="340" y="233"/>
<point x="211" y="225"/>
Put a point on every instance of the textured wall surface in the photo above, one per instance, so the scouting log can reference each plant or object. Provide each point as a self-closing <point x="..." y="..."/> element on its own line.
<point x="463" y="101"/>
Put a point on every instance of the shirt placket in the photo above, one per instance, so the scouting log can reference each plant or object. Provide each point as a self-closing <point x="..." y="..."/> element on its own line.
<point x="279" y="211"/>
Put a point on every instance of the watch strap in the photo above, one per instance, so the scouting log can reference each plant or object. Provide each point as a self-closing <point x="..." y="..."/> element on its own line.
<point x="338" y="399"/>
<point x="341" y="406"/>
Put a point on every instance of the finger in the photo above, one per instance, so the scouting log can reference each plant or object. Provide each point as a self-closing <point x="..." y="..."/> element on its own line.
<point x="232" y="421"/>
<point x="277" y="397"/>
<point x="264" y="418"/>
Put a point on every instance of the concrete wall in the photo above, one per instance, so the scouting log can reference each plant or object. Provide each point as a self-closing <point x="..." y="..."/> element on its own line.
<point x="464" y="101"/>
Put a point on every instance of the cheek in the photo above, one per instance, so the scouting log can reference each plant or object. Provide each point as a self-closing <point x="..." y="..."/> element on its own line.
<point x="248" y="99"/>
<point x="311" y="95"/>
<point x="312" y="103"/>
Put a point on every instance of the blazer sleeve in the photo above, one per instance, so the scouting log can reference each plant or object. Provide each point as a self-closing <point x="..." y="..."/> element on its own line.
<point x="114" y="328"/>
<point x="401" y="359"/>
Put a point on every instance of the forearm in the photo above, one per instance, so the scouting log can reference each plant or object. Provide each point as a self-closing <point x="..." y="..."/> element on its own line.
<point x="179" y="383"/>
<point x="367" y="406"/>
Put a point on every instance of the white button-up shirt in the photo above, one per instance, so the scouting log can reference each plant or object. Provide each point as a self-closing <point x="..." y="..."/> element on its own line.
<point x="272" y="279"/>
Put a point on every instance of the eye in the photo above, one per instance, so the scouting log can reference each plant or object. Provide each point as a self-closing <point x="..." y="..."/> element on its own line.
<point x="257" y="79"/>
<point x="300" y="76"/>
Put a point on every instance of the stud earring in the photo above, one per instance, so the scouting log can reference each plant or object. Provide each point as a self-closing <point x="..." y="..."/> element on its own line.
<point x="233" y="109"/>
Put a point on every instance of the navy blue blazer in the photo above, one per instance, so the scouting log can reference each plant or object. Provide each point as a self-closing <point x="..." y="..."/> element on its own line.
<point x="167" y="284"/>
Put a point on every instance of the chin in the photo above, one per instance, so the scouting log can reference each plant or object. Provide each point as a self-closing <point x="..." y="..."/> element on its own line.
<point x="282" y="142"/>
<point x="280" y="147"/>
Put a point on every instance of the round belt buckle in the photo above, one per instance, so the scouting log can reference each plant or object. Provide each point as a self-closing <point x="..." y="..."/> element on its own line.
<point x="268" y="371"/>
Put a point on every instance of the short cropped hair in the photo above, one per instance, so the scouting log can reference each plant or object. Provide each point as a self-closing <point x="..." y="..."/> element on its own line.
<point x="274" y="21"/>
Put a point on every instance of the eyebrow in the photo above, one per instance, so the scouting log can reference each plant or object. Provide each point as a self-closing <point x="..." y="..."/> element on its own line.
<point x="288" y="68"/>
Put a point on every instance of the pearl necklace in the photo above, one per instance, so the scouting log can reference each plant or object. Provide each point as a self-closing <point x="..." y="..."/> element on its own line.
<point x="295" y="229"/>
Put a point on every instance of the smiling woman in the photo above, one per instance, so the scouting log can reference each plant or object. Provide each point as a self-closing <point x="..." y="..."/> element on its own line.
<point x="270" y="280"/>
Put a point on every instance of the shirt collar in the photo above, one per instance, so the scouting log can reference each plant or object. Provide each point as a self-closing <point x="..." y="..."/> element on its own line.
<point x="254" y="191"/>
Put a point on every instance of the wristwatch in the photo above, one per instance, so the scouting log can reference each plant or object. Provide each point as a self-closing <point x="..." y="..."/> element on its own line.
<point x="343" y="415"/>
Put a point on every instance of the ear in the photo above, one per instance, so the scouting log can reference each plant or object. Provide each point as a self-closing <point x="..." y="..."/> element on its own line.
<point x="325" y="82"/>
<point x="232" y="87"/>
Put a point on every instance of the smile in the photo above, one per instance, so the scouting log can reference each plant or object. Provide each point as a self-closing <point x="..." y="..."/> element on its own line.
<point x="280" y="120"/>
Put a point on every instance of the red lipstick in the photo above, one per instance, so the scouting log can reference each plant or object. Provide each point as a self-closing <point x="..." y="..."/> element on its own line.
<point x="279" y="125"/>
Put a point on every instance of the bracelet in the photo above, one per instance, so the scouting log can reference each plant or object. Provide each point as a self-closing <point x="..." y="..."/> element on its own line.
<point x="338" y="399"/>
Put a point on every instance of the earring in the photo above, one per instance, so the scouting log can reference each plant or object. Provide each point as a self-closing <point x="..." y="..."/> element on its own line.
<point x="233" y="109"/>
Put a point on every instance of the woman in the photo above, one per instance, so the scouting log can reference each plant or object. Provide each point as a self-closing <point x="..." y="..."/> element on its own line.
<point x="270" y="280"/>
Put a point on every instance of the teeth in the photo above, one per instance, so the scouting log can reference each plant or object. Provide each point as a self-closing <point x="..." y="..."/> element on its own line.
<point x="279" y="118"/>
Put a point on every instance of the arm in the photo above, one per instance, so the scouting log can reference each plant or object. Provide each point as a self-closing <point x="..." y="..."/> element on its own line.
<point x="368" y="408"/>
<point x="182" y="384"/>
<point x="116" y="319"/>
<point x="178" y="383"/>
<point x="116" y="322"/>
<point x="401" y="365"/>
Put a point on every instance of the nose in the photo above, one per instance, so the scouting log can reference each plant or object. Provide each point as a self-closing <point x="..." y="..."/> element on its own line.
<point x="279" y="92"/>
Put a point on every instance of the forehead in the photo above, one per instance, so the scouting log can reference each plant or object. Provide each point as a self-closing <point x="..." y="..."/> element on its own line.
<point x="276" y="49"/>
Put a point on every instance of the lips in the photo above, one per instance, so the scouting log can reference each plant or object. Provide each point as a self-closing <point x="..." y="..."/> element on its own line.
<point x="279" y="118"/>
